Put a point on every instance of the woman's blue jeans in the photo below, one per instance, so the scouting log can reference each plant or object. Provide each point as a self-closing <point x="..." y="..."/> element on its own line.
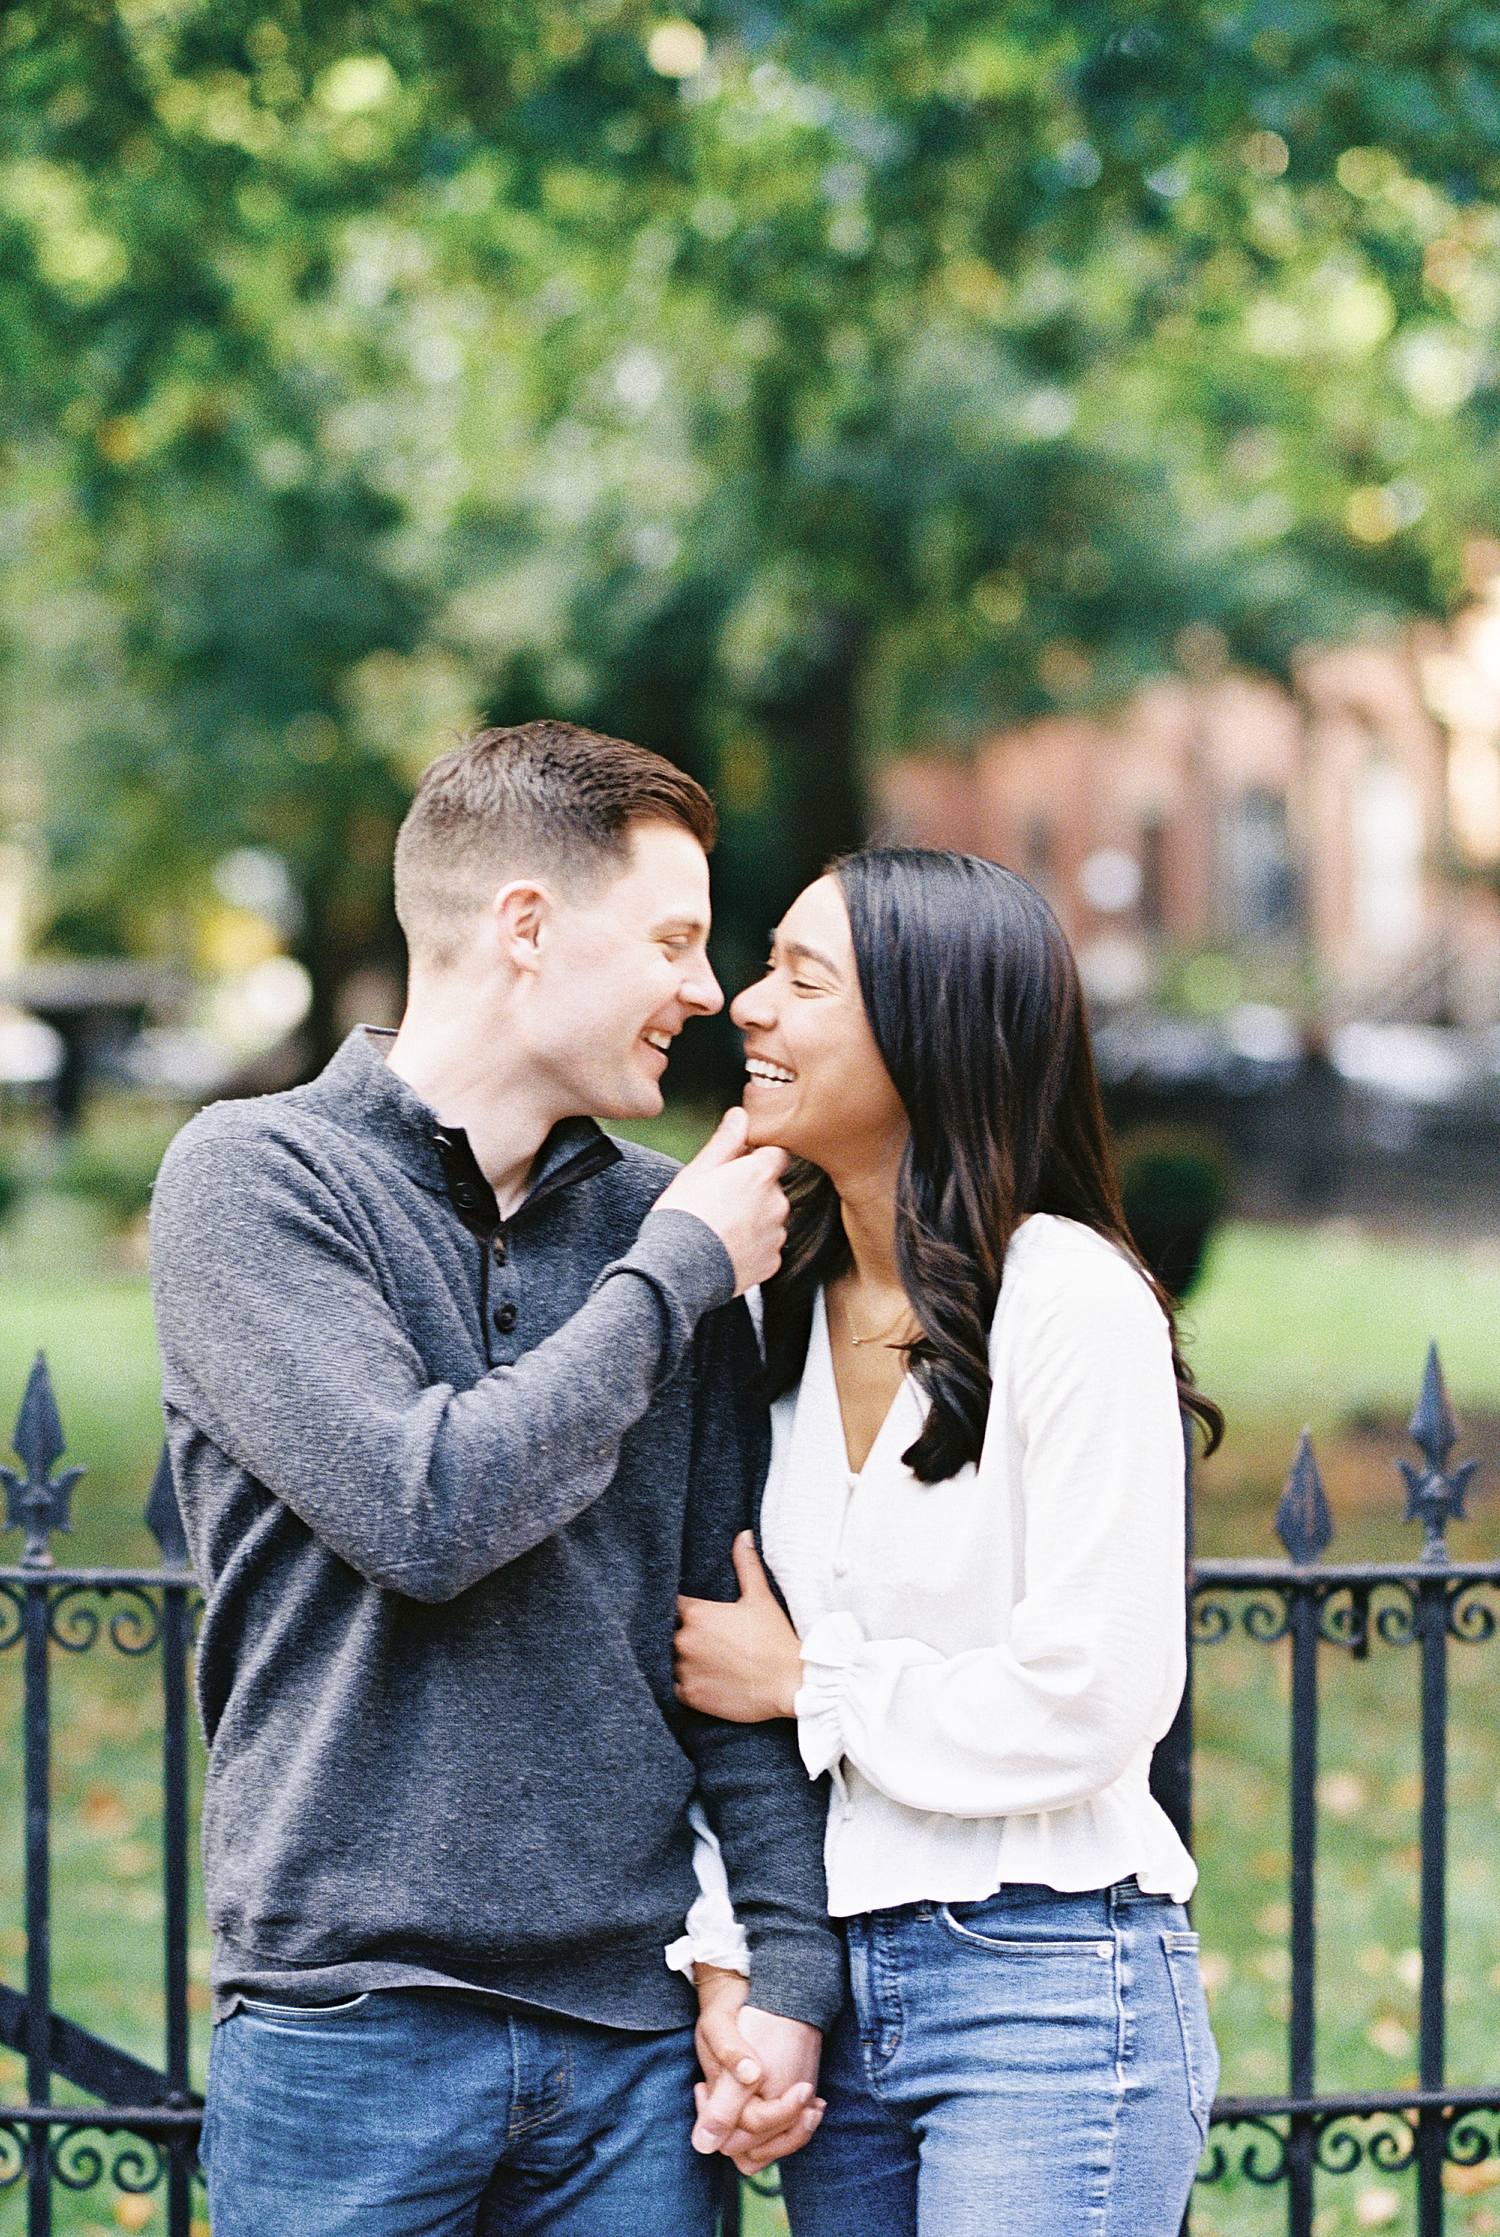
<point x="1035" y="2065"/>
<point x="418" y="2113"/>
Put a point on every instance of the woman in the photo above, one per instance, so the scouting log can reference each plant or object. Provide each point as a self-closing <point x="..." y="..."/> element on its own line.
<point x="974" y="1513"/>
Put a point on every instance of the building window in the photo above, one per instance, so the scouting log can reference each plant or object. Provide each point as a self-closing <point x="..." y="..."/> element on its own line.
<point x="1260" y="879"/>
<point x="1153" y="877"/>
<point x="1388" y="847"/>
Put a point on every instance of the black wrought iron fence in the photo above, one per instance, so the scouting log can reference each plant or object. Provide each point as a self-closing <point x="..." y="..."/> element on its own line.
<point x="145" y="2135"/>
<point x="1430" y="1604"/>
<point x="141" y="2134"/>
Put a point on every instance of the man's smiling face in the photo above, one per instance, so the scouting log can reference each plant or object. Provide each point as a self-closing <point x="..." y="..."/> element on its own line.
<point x="624" y="966"/>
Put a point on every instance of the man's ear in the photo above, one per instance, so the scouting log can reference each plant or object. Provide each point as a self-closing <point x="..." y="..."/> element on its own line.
<point x="521" y="914"/>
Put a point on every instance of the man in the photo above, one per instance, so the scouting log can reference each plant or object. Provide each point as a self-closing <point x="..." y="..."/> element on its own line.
<point x="456" y="1399"/>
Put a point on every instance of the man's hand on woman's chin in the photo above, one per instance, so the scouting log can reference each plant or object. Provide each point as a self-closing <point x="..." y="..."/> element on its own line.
<point x="757" y="2101"/>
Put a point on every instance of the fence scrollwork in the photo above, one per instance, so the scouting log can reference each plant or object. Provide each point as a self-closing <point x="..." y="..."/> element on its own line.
<point x="1258" y="2158"/>
<point x="1209" y="1622"/>
<point x="1266" y="1620"/>
<point x="1257" y="2147"/>
<point x="1470" y="1616"/>
<point x="74" y="1622"/>
<point x="1396" y="1614"/>
<point x="1344" y="1617"/>
<point x="1389" y="2145"/>
<point x="1467" y="2143"/>
<point x="135" y="2164"/>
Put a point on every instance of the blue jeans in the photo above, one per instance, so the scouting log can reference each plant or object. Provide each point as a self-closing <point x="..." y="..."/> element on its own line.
<point x="416" y="2113"/>
<point x="1036" y="2065"/>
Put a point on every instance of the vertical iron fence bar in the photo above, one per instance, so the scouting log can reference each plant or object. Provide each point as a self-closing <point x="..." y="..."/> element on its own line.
<point x="38" y="1749"/>
<point x="1433" y="1612"/>
<point x="1302" y="2024"/>
<point x="1172" y="1757"/>
<point x="174" y="1647"/>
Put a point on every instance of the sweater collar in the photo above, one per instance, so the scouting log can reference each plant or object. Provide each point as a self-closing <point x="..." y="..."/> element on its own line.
<point x="359" y="1091"/>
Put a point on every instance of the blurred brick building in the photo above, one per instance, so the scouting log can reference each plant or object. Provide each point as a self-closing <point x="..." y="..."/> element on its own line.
<point x="1313" y="831"/>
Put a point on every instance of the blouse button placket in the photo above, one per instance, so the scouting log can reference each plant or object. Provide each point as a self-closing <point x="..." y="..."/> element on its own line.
<point x="840" y="1553"/>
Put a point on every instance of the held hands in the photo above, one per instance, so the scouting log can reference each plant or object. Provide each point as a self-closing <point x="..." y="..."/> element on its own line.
<point x="757" y="2101"/>
<point x="738" y="1659"/>
<point x="738" y="1194"/>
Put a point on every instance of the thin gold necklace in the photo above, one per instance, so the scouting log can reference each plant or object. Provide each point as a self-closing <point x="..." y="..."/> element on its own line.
<point x="881" y="1334"/>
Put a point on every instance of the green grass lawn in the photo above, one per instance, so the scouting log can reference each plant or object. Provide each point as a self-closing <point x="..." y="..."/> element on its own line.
<point x="1313" y="1323"/>
<point x="1289" y="1326"/>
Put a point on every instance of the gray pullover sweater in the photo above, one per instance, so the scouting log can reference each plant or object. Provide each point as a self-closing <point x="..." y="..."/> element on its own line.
<point x="443" y="1477"/>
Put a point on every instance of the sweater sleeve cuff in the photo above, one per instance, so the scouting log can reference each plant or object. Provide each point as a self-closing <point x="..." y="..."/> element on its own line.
<point x="800" y="1976"/>
<point x="687" y="1266"/>
<point x="827" y="1652"/>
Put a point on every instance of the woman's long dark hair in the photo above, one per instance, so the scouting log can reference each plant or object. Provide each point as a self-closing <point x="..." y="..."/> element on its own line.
<point x="973" y="998"/>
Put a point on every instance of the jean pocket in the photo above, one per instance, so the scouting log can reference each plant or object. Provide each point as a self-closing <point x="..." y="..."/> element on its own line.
<point x="259" y="2009"/>
<point x="1012" y="1934"/>
<point x="1199" y="2050"/>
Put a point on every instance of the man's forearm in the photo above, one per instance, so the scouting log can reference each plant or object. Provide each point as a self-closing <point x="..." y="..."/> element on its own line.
<point x="768" y="1815"/>
<point x="769" y="1818"/>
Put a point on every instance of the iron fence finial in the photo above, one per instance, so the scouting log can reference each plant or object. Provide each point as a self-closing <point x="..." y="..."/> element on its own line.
<point x="1303" y="1523"/>
<point x="38" y="1502"/>
<point x="1434" y="1494"/>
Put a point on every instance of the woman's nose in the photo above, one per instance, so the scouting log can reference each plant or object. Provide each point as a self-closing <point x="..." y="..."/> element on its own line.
<point x="751" y="1007"/>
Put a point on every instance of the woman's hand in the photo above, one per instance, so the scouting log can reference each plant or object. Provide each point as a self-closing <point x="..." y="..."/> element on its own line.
<point x="756" y="2101"/>
<point x="738" y="1659"/>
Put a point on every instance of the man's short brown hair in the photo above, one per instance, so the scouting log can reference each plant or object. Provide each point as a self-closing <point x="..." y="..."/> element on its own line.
<point x="543" y="798"/>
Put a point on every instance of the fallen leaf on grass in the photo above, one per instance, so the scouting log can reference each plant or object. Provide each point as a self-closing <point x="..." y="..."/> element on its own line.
<point x="1469" y="2181"/>
<point x="102" y="1811"/>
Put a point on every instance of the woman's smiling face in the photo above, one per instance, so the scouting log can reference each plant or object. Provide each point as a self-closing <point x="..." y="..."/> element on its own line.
<point x="816" y="1084"/>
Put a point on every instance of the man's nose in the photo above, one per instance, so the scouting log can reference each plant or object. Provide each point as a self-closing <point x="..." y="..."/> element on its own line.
<point x="703" y="992"/>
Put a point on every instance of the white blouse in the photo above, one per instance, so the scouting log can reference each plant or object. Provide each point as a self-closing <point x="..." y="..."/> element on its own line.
<point x="989" y="1662"/>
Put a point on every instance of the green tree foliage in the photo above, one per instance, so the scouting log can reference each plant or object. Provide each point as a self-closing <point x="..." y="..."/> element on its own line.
<point x="775" y="387"/>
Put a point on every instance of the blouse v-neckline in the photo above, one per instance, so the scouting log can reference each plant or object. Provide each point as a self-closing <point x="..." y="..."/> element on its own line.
<point x="820" y="1361"/>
